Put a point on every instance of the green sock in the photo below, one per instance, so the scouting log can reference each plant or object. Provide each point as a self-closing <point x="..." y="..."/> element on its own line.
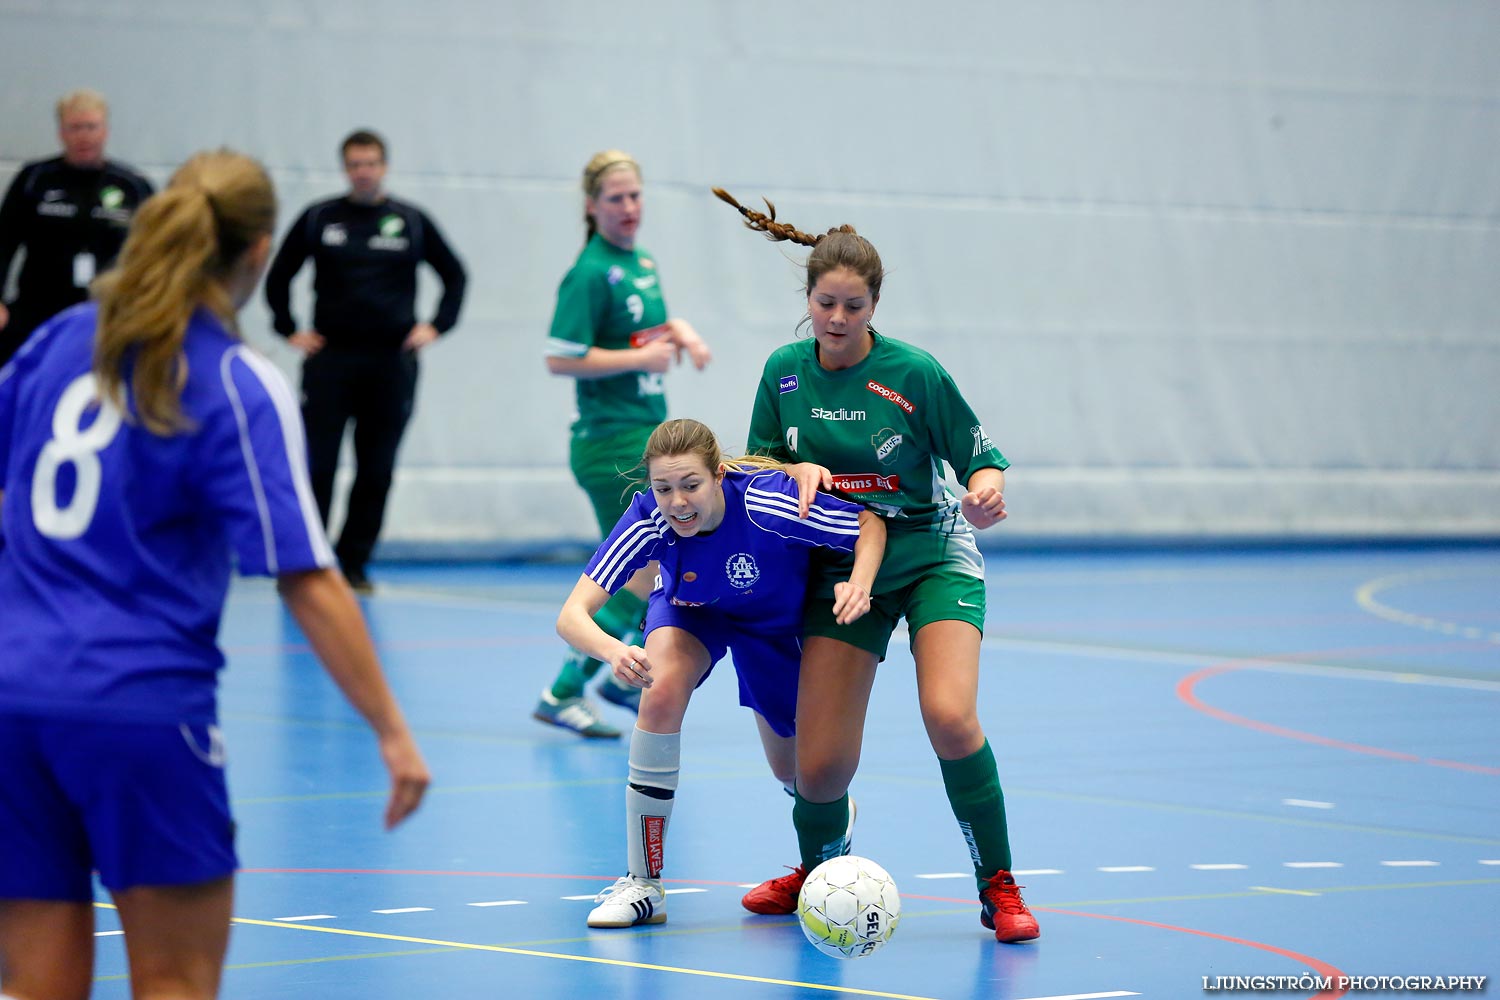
<point x="620" y="617"/>
<point x="973" y="786"/>
<point x="821" y="828"/>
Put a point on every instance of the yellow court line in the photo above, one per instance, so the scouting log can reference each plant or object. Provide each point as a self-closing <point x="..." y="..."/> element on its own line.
<point x="1284" y="892"/>
<point x="1365" y="597"/>
<point x="577" y="958"/>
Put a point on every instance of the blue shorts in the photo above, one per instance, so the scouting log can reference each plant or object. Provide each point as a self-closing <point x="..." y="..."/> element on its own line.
<point x="767" y="665"/>
<point x="141" y="803"/>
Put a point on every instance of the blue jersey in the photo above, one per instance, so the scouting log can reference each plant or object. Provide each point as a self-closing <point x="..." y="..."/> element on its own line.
<point x="752" y="568"/>
<point x="118" y="543"/>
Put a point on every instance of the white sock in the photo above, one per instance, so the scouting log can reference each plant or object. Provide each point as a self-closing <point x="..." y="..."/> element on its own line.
<point x="654" y="769"/>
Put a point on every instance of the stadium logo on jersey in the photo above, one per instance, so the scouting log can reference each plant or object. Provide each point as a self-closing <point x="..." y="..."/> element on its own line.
<point x="818" y="413"/>
<point x="982" y="442"/>
<point x="741" y="570"/>
<point x="892" y="395"/>
<point x="887" y="444"/>
<point x="649" y="384"/>
<point x="679" y="602"/>
<point x="335" y="235"/>
<point x="645" y="281"/>
<point x="615" y="274"/>
<point x="53" y="194"/>
<point x="392" y="225"/>
<point x="787" y="384"/>
<point x="791" y="439"/>
<point x="866" y="482"/>
<point x="111" y="197"/>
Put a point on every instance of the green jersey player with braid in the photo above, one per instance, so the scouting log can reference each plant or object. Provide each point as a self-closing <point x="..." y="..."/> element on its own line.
<point x="873" y="419"/>
<point x="611" y="333"/>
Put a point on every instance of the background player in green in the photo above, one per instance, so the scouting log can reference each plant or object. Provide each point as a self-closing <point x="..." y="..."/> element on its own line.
<point x="611" y="333"/>
<point x="873" y="418"/>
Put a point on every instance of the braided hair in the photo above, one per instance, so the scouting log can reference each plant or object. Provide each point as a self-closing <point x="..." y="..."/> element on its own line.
<point x="840" y="247"/>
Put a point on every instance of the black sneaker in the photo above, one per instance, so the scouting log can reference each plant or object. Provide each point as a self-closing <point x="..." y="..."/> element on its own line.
<point x="358" y="582"/>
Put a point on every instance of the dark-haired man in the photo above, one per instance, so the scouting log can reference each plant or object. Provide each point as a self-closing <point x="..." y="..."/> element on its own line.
<point x="360" y="352"/>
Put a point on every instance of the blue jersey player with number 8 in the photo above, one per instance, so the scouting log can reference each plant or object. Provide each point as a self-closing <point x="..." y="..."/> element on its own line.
<point x="145" y="451"/>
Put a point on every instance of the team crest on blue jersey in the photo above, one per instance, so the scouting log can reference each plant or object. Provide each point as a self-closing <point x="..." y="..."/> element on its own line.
<point x="788" y="383"/>
<point x="615" y="274"/>
<point x="741" y="570"/>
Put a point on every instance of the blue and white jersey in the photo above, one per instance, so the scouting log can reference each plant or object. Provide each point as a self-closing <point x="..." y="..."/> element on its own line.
<point x="118" y="543"/>
<point x="752" y="567"/>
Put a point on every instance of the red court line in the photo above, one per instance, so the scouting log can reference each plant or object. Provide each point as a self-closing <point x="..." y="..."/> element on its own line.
<point x="398" y="871"/>
<point x="1186" y="692"/>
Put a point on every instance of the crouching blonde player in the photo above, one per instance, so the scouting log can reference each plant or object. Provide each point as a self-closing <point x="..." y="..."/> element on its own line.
<point x="734" y="557"/>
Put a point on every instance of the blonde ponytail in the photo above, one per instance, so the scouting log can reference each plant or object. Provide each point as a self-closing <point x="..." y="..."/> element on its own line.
<point x="182" y="244"/>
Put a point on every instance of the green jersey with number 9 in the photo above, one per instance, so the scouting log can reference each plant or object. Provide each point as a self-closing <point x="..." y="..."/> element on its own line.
<point x="611" y="299"/>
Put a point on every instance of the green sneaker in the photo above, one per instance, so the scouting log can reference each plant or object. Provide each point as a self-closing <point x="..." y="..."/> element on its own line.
<point x="623" y="695"/>
<point x="575" y="714"/>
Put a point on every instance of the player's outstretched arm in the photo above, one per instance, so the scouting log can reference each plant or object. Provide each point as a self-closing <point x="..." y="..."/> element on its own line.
<point x="575" y="623"/>
<point x="851" y="598"/>
<point x="325" y="608"/>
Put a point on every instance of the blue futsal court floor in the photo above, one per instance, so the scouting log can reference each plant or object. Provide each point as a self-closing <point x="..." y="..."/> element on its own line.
<point x="1242" y="763"/>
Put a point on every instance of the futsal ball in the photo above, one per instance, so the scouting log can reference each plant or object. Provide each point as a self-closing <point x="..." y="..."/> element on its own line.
<point x="849" y="907"/>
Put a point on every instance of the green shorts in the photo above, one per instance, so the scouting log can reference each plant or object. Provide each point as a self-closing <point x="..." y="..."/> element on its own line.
<point x="923" y="578"/>
<point x="607" y="467"/>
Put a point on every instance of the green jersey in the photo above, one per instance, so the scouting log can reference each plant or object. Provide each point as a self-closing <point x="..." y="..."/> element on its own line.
<point x="882" y="427"/>
<point x="611" y="299"/>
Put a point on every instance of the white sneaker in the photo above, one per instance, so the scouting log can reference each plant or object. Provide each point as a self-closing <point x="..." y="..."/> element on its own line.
<point x="631" y="900"/>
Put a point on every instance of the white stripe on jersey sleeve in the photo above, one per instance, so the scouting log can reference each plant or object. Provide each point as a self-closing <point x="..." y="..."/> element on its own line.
<point x="294" y="440"/>
<point x="248" y="454"/>
<point x="557" y="347"/>
<point x="632" y="540"/>
<point x="781" y="505"/>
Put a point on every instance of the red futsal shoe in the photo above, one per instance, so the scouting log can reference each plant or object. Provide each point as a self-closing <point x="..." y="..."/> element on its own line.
<point x="1004" y="911"/>
<point x="777" y="895"/>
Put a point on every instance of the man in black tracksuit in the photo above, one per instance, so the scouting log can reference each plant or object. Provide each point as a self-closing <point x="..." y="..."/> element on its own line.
<point x="361" y="350"/>
<point x="70" y="213"/>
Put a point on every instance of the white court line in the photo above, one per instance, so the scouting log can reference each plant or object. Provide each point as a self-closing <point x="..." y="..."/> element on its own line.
<point x="307" y="916"/>
<point x="1128" y="868"/>
<point x="592" y="896"/>
<point x="953" y="875"/>
<point x="1489" y="861"/>
<point x="107" y="933"/>
<point x="673" y="892"/>
<point x="501" y="902"/>
<point x="1037" y="871"/>
<point x="406" y="909"/>
<point x="670" y="892"/>
<point x="1307" y="803"/>
<point x="1219" y="868"/>
<point x="1165" y="657"/>
<point x="1410" y="864"/>
<point x="1312" y="864"/>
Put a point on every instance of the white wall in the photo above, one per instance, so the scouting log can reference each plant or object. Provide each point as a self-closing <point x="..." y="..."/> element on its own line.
<point x="1228" y="268"/>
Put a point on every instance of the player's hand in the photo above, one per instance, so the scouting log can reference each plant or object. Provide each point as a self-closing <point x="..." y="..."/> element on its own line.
<point x="631" y="667"/>
<point x="657" y="356"/>
<point x="409" y="776"/>
<point x="309" y="342"/>
<point x="809" y="479"/>
<point x="687" y="339"/>
<point x="983" y="508"/>
<point x="5" y="318"/>
<point x="420" y="336"/>
<point x="849" y="602"/>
